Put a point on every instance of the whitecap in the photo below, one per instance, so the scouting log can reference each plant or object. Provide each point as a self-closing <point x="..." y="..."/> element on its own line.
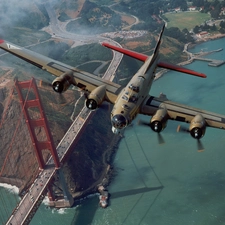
<point x="11" y="188"/>
<point x="46" y="201"/>
<point x="61" y="211"/>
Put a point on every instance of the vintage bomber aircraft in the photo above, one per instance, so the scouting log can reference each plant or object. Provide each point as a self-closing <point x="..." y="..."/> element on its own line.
<point x="130" y="100"/>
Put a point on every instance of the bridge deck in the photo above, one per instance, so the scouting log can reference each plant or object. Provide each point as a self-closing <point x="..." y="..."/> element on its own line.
<point x="28" y="205"/>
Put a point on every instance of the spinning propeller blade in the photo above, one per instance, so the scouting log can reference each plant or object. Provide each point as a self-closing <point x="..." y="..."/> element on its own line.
<point x="200" y="146"/>
<point x="159" y="136"/>
<point x="161" y="139"/>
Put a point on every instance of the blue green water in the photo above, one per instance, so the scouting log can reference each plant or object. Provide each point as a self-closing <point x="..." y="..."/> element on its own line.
<point x="169" y="184"/>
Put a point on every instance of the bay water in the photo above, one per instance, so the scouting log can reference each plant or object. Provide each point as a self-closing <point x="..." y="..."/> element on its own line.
<point x="164" y="184"/>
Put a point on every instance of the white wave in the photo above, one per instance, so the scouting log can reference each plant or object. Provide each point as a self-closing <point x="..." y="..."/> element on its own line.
<point x="61" y="211"/>
<point x="11" y="188"/>
<point x="53" y="211"/>
<point x="89" y="196"/>
<point x="46" y="201"/>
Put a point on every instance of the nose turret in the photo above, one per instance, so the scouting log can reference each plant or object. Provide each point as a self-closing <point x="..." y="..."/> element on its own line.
<point x="118" y="122"/>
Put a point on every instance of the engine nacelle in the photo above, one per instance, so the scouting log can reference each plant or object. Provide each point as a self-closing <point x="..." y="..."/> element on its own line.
<point x="63" y="82"/>
<point x="96" y="97"/>
<point x="197" y="127"/>
<point x="159" y="120"/>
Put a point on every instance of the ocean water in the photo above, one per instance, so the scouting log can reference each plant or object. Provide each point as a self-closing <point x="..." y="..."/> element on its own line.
<point x="171" y="183"/>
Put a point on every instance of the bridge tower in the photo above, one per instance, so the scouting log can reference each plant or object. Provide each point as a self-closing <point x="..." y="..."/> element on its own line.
<point x="32" y="100"/>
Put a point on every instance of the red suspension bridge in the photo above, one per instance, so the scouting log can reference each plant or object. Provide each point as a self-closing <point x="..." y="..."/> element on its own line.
<point x="44" y="171"/>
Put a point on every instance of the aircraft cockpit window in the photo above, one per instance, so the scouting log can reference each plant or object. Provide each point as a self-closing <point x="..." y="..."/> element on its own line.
<point x="125" y="106"/>
<point x="125" y="98"/>
<point x="134" y="88"/>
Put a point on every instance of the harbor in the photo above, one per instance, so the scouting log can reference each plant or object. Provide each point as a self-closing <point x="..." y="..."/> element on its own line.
<point x="200" y="56"/>
<point x="212" y="62"/>
<point x="194" y="57"/>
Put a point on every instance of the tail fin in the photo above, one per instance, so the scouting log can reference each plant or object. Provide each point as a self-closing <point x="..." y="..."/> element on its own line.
<point x="143" y="57"/>
<point x="134" y="54"/>
<point x="156" y="50"/>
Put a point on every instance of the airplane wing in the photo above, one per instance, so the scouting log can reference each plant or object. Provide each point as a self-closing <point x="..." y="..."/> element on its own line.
<point x="81" y="79"/>
<point x="180" y="112"/>
<point x="143" y="58"/>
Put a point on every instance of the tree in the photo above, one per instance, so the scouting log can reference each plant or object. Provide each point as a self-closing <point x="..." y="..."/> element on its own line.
<point x="213" y="28"/>
<point x="205" y="26"/>
<point x="184" y="6"/>
<point x="196" y="29"/>
<point x="198" y="3"/>
<point x="222" y="24"/>
<point x="215" y="13"/>
<point x="175" y="32"/>
<point x="222" y="30"/>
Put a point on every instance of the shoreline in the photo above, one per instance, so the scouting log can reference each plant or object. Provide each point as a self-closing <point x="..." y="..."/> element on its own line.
<point x="159" y="75"/>
<point x="11" y="182"/>
<point x="106" y="176"/>
<point x="190" y="46"/>
<point x="108" y="173"/>
<point x="11" y="188"/>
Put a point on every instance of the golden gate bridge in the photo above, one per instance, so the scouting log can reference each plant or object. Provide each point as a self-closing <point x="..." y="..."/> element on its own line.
<point x="21" y="211"/>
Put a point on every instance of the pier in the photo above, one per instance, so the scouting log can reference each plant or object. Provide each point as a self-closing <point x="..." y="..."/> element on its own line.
<point x="199" y="56"/>
<point x="195" y="56"/>
<point x="212" y="62"/>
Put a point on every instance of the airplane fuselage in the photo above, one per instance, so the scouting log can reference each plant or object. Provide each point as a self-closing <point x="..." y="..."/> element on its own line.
<point x="130" y="99"/>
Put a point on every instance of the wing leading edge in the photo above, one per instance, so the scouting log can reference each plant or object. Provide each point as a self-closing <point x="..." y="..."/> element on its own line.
<point x="180" y="112"/>
<point x="84" y="80"/>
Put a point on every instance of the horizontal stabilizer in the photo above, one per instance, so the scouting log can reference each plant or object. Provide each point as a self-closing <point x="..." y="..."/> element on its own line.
<point x="130" y="53"/>
<point x="143" y="57"/>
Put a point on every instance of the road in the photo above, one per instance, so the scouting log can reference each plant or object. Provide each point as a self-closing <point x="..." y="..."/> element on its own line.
<point x="58" y="30"/>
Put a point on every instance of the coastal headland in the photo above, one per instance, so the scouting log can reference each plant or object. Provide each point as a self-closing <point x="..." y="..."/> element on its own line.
<point x="91" y="162"/>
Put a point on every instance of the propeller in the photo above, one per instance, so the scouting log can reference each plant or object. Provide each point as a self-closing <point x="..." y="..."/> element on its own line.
<point x="159" y="136"/>
<point x="60" y="98"/>
<point x="160" y="139"/>
<point x="104" y="105"/>
<point x="200" y="146"/>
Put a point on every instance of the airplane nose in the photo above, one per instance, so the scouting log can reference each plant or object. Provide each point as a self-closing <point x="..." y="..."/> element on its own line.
<point x="119" y="121"/>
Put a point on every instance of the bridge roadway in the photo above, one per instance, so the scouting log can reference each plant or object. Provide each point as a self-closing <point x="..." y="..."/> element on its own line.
<point x="28" y="205"/>
<point x="25" y="210"/>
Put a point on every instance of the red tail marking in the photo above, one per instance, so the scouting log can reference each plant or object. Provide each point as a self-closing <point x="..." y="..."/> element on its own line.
<point x="180" y="69"/>
<point x="133" y="54"/>
<point x="1" y="41"/>
<point x="144" y="57"/>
